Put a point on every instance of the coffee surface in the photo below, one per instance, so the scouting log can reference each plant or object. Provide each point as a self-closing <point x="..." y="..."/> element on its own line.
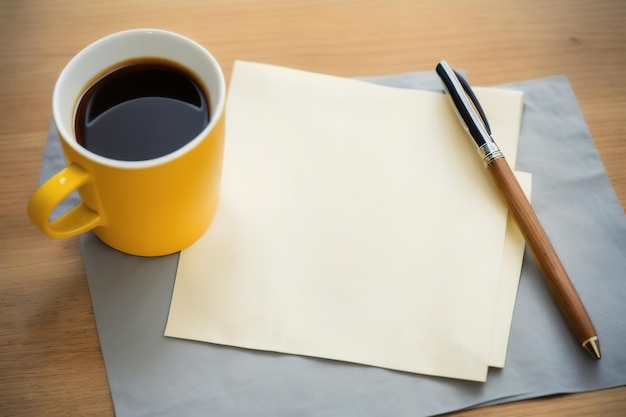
<point x="141" y="110"/>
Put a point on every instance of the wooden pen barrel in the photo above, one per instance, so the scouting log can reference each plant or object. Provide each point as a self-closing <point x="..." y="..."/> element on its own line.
<point x="537" y="240"/>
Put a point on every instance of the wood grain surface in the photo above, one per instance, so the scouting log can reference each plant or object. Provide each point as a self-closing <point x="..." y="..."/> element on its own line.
<point x="50" y="360"/>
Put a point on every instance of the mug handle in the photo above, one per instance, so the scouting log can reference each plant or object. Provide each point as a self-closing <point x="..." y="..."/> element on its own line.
<point x="76" y="221"/>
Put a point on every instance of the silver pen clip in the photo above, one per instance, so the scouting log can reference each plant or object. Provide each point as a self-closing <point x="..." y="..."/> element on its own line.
<point x="469" y="111"/>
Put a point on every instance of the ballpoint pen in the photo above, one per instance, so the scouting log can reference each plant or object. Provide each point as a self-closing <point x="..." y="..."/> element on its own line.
<point x="475" y="122"/>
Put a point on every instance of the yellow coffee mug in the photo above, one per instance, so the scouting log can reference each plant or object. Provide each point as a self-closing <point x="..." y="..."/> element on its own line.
<point x="150" y="207"/>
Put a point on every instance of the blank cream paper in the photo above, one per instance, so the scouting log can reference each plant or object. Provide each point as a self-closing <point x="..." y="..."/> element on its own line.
<point x="356" y="223"/>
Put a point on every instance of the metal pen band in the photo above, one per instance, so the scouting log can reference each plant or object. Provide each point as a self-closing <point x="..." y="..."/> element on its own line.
<point x="489" y="152"/>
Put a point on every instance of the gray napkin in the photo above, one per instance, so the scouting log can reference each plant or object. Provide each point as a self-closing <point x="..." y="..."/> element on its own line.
<point x="150" y="374"/>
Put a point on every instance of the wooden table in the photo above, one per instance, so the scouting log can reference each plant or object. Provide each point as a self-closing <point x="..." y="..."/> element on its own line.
<point x="50" y="360"/>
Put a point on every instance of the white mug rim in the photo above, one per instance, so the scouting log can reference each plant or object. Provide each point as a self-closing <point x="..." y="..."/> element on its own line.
<point x="67" y="134"/>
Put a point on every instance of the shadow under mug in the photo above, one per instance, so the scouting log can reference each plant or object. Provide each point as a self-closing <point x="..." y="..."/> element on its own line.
<point x="150" y="207"/>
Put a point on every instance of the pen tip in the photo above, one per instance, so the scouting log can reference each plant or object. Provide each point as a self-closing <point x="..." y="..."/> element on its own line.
<point x="592" y="346"/>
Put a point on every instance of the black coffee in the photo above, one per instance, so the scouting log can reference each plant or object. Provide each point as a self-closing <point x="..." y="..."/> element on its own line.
<point x="141" y="110"/>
